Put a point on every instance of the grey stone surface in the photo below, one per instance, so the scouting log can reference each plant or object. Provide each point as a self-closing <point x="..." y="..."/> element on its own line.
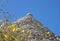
<point x="38" y="32"/>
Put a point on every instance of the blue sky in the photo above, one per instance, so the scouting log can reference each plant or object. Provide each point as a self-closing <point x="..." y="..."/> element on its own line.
<point x="45" y="11"/>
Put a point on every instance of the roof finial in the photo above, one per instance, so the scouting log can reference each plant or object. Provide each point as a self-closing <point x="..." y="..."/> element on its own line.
<point x="29" y="15"/>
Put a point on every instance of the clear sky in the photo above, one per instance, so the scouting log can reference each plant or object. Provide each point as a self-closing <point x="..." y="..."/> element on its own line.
<point x="45" y="11"/>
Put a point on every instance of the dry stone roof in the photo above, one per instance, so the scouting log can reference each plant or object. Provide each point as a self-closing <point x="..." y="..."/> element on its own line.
<point x="38" y="32"/>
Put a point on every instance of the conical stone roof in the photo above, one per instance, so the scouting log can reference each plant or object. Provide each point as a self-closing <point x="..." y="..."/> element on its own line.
<point x="38" y="32"/>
